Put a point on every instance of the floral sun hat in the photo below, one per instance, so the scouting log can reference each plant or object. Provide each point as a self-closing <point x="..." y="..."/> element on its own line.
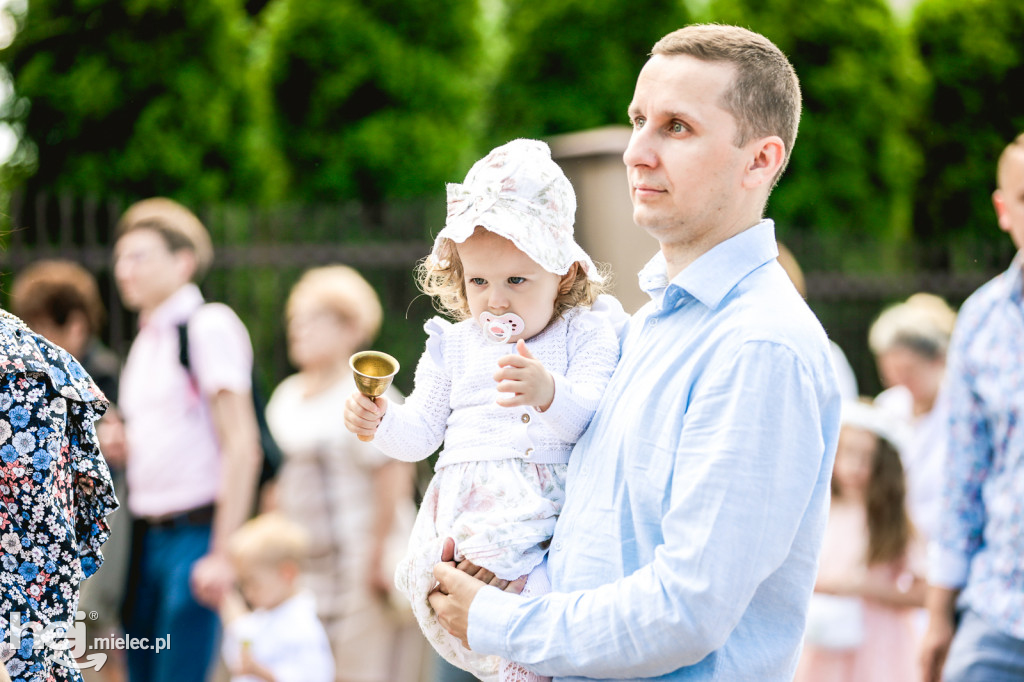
<point x="519" y="193"/>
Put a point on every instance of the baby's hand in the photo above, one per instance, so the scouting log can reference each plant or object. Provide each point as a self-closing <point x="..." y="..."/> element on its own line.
<point x="525" y="378"/>
<point x="362" y="415"/>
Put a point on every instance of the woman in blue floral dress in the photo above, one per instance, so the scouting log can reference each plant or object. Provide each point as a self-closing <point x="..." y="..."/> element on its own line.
<point x="55" y="491"/>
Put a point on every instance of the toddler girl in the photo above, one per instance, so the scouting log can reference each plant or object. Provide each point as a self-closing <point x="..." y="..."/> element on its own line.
<point x="507" y="269"/>
<point x="861" y="622"/>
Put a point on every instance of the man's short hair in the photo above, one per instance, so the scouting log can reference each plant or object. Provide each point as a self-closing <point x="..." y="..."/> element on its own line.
<point x="178" y="226"/>
<point x="52" y="290"/>
<point x="764" y="98"/>
<point x="1015" y="147"/>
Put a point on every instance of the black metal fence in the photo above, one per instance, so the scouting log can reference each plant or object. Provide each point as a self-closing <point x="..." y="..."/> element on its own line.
<point x="260" y="253"/>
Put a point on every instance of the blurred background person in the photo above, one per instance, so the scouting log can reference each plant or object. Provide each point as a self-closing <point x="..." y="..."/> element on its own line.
<point x="976" y="585"/>
<point x="271" y="629"/>
<point x="193" y="438"/>
<point x="870" y="580"/>
<point x="909" y="341"/>
<point x="355" y="502"/>
<point x="60" y="300"/>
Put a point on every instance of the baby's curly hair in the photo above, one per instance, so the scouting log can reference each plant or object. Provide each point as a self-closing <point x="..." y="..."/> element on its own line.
<point x="440" y="276"/>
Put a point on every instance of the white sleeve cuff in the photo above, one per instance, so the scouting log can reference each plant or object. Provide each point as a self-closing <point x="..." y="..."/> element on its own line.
<point x="946" y="568"/>
<point x="566" y="415"/>
<point x="489" y="615"/>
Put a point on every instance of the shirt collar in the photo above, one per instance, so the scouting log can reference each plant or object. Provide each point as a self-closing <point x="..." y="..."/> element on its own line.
<point x="715" y="273"/>
<point x="176" y="309"/>
<point x="1013" y="279"/>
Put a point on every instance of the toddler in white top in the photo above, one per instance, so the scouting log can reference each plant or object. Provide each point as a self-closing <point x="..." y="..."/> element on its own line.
<point x="271" y="630"/>
<point x="508" y="388"/>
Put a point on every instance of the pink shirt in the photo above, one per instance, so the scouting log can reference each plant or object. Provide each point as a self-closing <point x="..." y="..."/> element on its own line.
<point x="174" y="460"/>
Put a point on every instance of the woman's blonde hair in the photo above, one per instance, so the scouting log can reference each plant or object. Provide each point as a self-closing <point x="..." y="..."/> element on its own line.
<point x="441" y="276"/>
<point x="923" y="323"/>
<point x="345" y="293"/>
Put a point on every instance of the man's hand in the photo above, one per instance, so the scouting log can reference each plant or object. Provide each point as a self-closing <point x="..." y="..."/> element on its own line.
<point x="362" y="415"/>
<point x="525" y="378"/>
<point x="452" y="598"/>
<point x="212" y="577"/>
<point x="457" y="589"/>
<point x="941" y="604"/>
<point x="934" y="648"/>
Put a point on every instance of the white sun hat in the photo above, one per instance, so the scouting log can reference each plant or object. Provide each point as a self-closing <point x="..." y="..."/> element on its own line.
<point x="519" y="193"/>
<point x="878" y="421"/>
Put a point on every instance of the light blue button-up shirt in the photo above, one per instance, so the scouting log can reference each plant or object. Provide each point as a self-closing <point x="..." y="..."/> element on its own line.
<point x="687" y="548"/>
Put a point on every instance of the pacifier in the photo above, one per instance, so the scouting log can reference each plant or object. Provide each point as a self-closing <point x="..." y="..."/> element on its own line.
<point x="501" y="328"/>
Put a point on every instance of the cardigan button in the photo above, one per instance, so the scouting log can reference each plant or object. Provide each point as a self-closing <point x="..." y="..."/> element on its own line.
<point x="525" y="418"/>
<point x="528" y="453"/>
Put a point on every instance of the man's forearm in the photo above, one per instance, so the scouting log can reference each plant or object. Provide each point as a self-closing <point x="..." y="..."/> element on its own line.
<point x="941" y="602"/>
<point x="238" y="433"/>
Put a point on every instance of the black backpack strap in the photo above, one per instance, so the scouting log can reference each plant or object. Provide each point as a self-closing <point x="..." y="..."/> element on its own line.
<point x="183" y="346"/>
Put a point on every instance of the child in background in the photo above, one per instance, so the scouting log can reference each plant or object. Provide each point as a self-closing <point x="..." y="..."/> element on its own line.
<point x="507" y="269"/>
<point x="861" y="622"/>
<point x="280" y="639"/>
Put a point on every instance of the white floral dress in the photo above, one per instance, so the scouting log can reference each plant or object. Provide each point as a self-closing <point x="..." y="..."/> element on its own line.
<point x="499" y="484"/>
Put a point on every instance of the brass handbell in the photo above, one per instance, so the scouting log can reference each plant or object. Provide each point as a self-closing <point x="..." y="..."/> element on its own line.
<point x="373" y="371"/>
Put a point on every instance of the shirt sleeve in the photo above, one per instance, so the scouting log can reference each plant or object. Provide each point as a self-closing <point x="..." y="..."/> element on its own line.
<point x="593" y="354"/>
<point x="220" y="350"/>
<point x="968" y="460"/>
<point x="414" y="430"/>
<point x="751" y="453"/>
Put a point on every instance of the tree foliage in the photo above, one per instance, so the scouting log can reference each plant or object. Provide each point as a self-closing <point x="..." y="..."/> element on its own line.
<point x="572" y="65"/>
<point x="854" y="164"/>
<point x="137" y="98"/>
<point x="374" y="99"/>
<point x="975" y="53"/>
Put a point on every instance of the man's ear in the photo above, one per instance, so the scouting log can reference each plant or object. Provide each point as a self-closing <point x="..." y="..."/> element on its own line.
<point x="186" y="264"/>
<point x="565" y="285"/>
<point x="1002" y="215"/>
<point x="767" y="155"/>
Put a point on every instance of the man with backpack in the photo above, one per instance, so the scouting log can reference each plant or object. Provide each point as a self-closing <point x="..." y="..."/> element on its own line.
<point x="193" y="437"/>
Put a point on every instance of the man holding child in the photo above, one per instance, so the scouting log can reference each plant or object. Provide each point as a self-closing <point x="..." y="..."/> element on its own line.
<point x="697" y="499"/>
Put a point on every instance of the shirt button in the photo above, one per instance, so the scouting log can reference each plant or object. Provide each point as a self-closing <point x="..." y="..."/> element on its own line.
<point x="529" y="453"/>
<point x="525" y="418"/>
<point x="558" y="544"/>
<point x="653" y="322"/>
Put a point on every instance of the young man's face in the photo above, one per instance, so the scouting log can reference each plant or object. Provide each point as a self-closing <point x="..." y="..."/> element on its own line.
<point x="1009" y="198"/>
<point x="147" y="272"/>
<point x="685" y="171"/>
